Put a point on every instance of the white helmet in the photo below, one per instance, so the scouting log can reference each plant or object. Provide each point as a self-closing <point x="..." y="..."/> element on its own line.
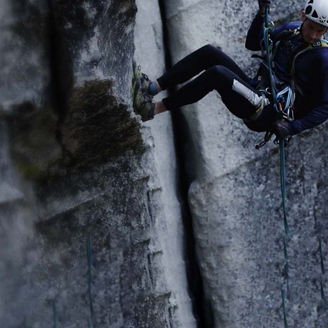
<point x="317" y="11"/>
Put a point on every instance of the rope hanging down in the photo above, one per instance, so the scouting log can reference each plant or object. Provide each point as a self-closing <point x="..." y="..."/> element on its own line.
<point x="285" y="288"/>
<point x="89" y="257"/>
<point x="324" y="300"/>
<point x="54" y="310"/>
<point x="280" y="111"/>
<point x="322" y="291"/>
<point x="283" y="103"/>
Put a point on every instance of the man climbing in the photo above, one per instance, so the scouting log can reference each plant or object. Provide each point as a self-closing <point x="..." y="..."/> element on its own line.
<point x="300" y="59"/>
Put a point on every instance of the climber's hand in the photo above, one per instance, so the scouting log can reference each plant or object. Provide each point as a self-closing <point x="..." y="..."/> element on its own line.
<point x="281" y="129"/>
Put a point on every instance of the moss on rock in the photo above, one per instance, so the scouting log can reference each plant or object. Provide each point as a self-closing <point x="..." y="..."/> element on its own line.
<point x="97" y="127"/>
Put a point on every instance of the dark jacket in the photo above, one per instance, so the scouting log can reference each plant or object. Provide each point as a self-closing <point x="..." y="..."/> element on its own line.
<point x="311" y="72"/>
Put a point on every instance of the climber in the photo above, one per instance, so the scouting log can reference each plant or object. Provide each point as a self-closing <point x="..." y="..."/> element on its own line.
<point x="248" y="98"/>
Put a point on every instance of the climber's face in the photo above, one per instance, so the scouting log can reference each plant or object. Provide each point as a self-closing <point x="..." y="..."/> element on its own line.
<point x="312" y="31"/>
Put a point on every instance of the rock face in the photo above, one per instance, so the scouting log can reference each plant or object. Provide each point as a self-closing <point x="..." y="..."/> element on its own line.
<point x="235" y="196"/>
<point x="92" y="218"/>
<point x="89" y="175"/>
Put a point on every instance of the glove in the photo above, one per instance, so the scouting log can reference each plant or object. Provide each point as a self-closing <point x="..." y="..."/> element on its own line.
<point x="263" y="4"/>
<point x="281" y="129"/>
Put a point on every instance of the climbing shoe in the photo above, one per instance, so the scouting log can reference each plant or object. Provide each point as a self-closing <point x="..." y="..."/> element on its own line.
<point x="142" y="104"/>
<point x="143" y="80"/>
<point x="146" y="111"/>
<point x="142" y="100"/>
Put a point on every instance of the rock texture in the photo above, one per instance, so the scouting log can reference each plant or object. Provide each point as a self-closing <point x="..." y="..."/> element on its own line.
<point x="235" y="197"/>
<point x="91" y="214"/>
<point x="90" y="174"/>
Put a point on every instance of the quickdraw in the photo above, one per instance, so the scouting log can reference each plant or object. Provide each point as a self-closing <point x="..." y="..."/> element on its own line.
<point x="285" y="98"/>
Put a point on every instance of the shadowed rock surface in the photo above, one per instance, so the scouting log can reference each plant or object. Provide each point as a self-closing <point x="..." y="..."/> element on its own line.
<point x="92" y="213"/>
<point x="235" y="194"/>
<point x="82" y="168"/>
<point x="42" y="146"/>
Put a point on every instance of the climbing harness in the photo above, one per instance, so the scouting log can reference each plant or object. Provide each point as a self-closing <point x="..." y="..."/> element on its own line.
<point x="283" y="100"/>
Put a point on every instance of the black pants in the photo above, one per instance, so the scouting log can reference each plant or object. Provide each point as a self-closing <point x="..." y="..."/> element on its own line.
<point x="220" y="74"/>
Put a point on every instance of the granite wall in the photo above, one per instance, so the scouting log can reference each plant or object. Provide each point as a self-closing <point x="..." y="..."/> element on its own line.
<point x="93" y="218"/>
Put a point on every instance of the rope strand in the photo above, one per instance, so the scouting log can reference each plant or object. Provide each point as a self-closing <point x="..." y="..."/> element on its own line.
<point x="54" y="310"/>
<point x="322" y="290"/>
<point x="268" y="49"/>
<point x="285" y="290"/>
<point x="89" y="257"/>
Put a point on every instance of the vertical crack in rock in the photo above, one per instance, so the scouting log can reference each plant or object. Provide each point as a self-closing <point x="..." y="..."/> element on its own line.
<point x="60" y="67"/>
<point x="68" y="100"/>
<point x="201" y="307"/>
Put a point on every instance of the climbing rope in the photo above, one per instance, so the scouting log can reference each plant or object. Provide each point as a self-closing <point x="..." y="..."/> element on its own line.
<point x="89" y="258"/>
<point x="91" y="317"/>
<point x="322" y="291"/>
<point x="54" y="313"/>
<point x="268" y="49"/>
<point x="324" y="299"/>
<point x="283" y="103"/>
<point x="283" y="184"/>
<point x="278" y="107"/>
<point x="285" y="288"/>
<point x="285" y="285"/>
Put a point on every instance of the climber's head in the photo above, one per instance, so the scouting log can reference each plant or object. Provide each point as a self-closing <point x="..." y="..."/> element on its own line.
<point x="315" y="20"/>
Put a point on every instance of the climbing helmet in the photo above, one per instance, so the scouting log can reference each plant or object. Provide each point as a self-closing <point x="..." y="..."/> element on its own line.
<point x="317" y="11"/>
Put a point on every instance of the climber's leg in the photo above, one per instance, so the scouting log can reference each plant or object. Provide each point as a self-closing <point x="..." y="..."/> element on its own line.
<point x="239" y="97"/>
<point x="196" y="62"/>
